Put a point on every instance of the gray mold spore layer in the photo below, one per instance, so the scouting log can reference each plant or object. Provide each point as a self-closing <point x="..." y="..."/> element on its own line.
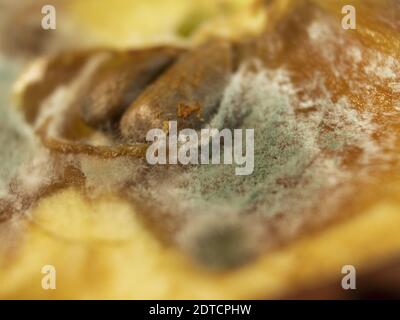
<point x="16" y="138"/>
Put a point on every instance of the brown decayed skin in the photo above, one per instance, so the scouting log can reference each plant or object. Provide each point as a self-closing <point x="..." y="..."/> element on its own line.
<point x="196" y="79"/>
<point x="120" y="80"/>
<point x="60" y="69"/>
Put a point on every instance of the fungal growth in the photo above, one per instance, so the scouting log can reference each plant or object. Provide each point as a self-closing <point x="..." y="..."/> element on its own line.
<point x="323" y="103"/>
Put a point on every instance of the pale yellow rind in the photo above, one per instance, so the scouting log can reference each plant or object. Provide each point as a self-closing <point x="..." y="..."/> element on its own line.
<point x="101" y="250"/>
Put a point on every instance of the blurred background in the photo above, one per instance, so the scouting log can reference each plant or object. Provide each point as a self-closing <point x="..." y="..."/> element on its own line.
<point x="121" y="23"/>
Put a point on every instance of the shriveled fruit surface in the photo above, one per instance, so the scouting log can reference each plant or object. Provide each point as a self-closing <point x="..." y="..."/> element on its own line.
<point x="325" y="106"/>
